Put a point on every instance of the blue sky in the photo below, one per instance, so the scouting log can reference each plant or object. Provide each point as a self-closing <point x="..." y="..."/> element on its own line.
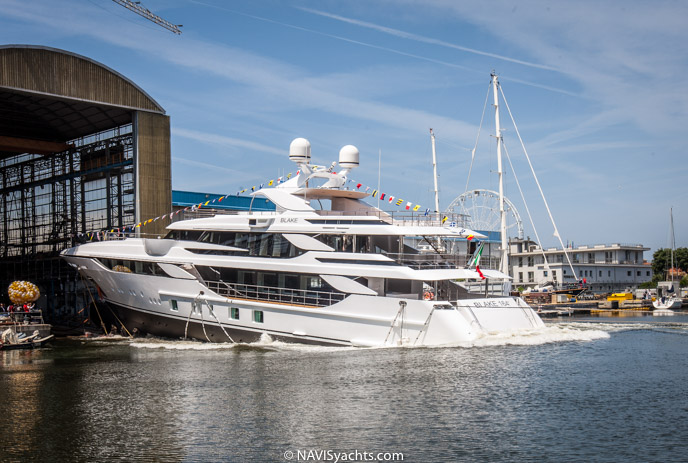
<point x="597" y="89"/>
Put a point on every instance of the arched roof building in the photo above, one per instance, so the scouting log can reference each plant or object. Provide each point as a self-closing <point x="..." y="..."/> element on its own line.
<point x="82" y="149"/>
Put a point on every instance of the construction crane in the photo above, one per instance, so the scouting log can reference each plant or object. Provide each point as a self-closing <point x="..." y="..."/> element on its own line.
<point x="146" y="13"/>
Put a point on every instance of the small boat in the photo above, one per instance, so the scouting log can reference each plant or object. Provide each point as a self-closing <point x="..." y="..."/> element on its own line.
<point x="664" y="305"/>
<point x="11" y="340"/>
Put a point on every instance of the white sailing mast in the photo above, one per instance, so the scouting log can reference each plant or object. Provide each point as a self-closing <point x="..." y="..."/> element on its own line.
<point x="434" y="169"/>
<point x="504" y="261"/>
<point x="664" y="304"/>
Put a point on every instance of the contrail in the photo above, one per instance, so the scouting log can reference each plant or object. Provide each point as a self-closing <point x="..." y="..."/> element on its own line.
<point x="420" y="38"/>
<point x="399" y="52"/>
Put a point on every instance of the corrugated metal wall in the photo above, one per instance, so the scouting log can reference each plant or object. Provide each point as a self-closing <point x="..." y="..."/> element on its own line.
<point x="60" y="73"/>
<point x="153" y="169"/>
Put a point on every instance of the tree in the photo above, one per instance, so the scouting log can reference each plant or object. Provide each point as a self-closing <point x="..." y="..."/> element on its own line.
<point x="661" y="260"/>
<point x="681" y="259"/>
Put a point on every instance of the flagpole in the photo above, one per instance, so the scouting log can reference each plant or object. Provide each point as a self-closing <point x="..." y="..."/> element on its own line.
<point x="379" y="169"/>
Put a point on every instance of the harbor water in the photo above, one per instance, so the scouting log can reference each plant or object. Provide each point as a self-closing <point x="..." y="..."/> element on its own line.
<point x="580" y="390"/>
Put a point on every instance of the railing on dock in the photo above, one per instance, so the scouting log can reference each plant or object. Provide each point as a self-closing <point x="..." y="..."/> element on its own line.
<point x="22" y="317"/>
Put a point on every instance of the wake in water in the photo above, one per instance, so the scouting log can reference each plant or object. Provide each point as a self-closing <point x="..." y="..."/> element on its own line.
<point x="545" y="335"/>
<point x="548" y="334"/>
<point x="266" y="344"/>
<point x="613" y="326"/>
<point x="569" y="331"/>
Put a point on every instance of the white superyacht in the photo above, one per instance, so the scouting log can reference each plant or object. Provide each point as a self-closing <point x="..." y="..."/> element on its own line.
<point x="337" y="275"/>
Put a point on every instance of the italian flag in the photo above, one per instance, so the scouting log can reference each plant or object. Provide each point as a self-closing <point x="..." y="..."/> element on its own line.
<point x="476" y="260"/>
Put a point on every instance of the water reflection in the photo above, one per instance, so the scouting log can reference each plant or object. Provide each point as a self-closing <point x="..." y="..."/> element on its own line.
<point x="152" y="400"/>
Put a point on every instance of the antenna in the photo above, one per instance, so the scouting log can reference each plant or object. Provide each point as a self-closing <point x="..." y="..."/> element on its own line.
<point x="434" y="170"/>
<point x="146" y="13"/>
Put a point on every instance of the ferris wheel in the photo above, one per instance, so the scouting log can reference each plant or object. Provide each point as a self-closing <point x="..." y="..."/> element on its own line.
<point x="481" y="208"/>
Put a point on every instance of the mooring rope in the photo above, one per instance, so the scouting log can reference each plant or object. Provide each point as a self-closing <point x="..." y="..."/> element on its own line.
<point x="94" y="303"/>
<point x="186" y="328"/>
<point x="200" y="309"/>
<point x="212" y="312"/>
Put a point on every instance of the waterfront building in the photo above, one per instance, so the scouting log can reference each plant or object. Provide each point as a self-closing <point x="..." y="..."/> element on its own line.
<point x="606" y="268"/>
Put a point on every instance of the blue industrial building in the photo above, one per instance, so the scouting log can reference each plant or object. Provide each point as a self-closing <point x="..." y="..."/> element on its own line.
<point x="182" y="199"/>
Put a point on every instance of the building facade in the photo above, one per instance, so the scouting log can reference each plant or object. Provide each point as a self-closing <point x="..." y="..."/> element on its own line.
<point x="605" y="268"/>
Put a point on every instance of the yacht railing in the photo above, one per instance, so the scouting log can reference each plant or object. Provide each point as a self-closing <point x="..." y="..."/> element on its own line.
<point x="275" y="294"/>
<point x="426" y="261"/>
<point x="113" y="236"/>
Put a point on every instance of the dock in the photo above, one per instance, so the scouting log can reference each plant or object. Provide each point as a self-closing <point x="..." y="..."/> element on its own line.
<point x="617" y="308"/>
<point x="25" y="322"/>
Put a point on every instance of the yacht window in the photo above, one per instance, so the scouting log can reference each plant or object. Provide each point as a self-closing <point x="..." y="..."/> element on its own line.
<point x="173" y="305"/>
<point x="273" y="286"/>
<point x="234" y="313"/>
<point x="257" y="244"/>
<point x="266" y="241"/>
<point x="269" y="279"/>
<point x="289" y="280"/>
<point x="277" y="245"/>
<point x="184" y="235"/>
<point x="362" y="244"/>
<point x="333" y="260"/>
<point x="313" y="282"/>
<point x="258" y="316"/>
<point x="132" y="266"/>
<point x="247" y="277"/>
<point x="241" y="240"/>
<point x="216" y="252"/>
<point x="345" y="222"/>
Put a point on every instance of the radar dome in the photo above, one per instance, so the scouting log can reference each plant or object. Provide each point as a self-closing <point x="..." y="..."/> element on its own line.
<point x="300" y="151"/>
<point x="348" y="157"/>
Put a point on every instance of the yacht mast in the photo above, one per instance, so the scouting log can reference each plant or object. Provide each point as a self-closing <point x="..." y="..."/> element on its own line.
<point x="434" y="168"/>
<point x="504" y="262"/>
<point x="673" y="243"/>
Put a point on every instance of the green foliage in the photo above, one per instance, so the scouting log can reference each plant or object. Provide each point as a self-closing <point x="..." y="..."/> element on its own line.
<point x="661" y="260"/>
<point x="656" y="278"/>
<point x="684" y="282"/>
<point x="648" y="284"/>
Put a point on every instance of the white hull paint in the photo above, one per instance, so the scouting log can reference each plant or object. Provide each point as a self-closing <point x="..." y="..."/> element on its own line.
<point x="359" y="320"/>
<point x="666" y="307"/>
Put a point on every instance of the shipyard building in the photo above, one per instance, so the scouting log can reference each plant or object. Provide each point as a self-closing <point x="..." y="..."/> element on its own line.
<point x="82" y="149"/>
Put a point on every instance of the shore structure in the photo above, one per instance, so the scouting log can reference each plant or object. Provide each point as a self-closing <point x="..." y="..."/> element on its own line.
<point x="82" y="148"/>
<point x="602" y="268"/>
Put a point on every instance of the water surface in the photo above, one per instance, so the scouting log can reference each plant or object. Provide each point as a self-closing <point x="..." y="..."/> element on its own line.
<point x="594" y="389"/>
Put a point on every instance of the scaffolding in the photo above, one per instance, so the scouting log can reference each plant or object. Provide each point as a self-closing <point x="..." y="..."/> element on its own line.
<point x="47" y="202"/>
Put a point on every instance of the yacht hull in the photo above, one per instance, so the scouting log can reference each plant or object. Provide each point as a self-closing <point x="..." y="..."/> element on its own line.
<point x="167" y="326"/>
<point x="177" y="308"/>
<point x="446" y="326"/>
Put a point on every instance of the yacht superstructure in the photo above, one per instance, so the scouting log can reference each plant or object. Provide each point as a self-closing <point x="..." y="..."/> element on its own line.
<point x="339" y="275"/>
